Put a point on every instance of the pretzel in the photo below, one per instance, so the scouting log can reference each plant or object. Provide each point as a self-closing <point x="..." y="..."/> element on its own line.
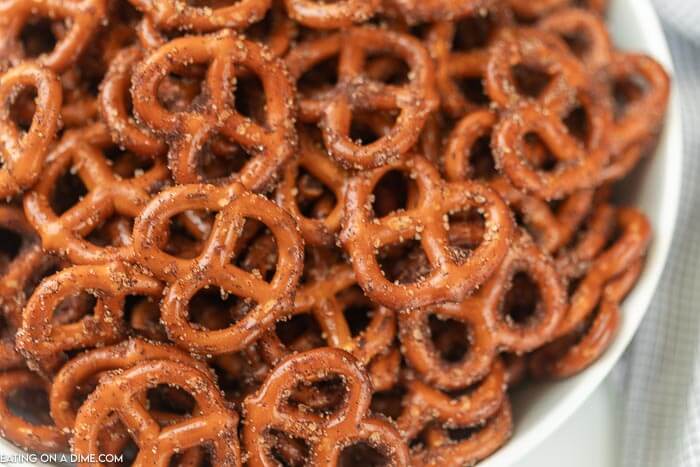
<point x="42" y="342"/>
<point x="82" y="17"/>
<point x="585" y="34"/>
<point x="37" y="436"/>
<point x="451" y="277"/>
<point x="108" y="194"/>
<point x="333" y="108"/>
<point x="113" y="107"/>
<point x="415" y="11"/>
<point x="186" y="276"/>
<point x="178" y="14"/>
<point x="326" y="298"/>
<point x="270" y="144"/>
<point x="213" y="423"/>
<point x="321" y="15"/>
<point x="551" y="229"/>
<point x="457" y="59"/>
<point x="539" y="8"/>
<point x="23" y="155"/>
<point x="269" y="409"/>
<point x="442" y="449"/>
<point x="78" y="372"/>
<point x="572" y="354"/>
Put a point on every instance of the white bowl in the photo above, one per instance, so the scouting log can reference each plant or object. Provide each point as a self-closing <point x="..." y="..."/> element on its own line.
<point x="541" y="409"/>
<point x="655" y="188"/>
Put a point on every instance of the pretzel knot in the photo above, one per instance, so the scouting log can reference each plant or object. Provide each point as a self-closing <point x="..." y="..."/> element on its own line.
<point x="81" y="152"/>
<point x="82" y="17"/>
<point x="23" y="155"/>
<point x="42" y="341"/>
<point x="356" y="91"/>
<point x="452" y="276"/>
<point x="234" y="204"/>
<point x="321" y="15"/>
<point x="327" y="436"/>
<point x="42" y="435"/>
<point x="271" y="143"/>
<point x="213" y="424"/>
<point x="179" y="14"/>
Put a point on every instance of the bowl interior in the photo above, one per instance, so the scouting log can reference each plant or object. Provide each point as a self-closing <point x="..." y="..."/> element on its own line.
<point x="655" y="188"/>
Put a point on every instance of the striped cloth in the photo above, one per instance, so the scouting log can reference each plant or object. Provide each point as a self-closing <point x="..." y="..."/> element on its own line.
<point x="660" y="373"/>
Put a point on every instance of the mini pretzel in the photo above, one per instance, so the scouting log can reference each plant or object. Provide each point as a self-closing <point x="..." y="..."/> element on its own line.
<point x="550" y="229"/>
<point x="415" y="11"/>
<point x="108" y="194"/>
<point x="33" y="436"/>
<point x="355" y="91"/>
<point x="178" y="14"/>
<point x="211" y="268"/>
<point x="23" y="155"/>
<point x="327" y="436"/>
<point x="321" y="15"/>
<point x="212" y="424"/>
<point x="441" y="449"/>
<point x="78" y="371"/>
<point x="81" y="16"/>
<point x="451" y="278"/>
<point x="270" y="144"/>
<point x="538" y="8"/>
<point x="490" y="329"/>
<point x="41" y="341"/>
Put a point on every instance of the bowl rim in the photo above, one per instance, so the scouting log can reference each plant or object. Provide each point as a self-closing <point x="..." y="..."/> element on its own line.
<point x="588" y="381"/>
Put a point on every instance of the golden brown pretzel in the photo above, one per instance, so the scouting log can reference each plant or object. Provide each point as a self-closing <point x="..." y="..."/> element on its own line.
<point x="328" y="435"/>
<point x="416" y="11"/>
<point x="333" y="108"/>
<point x="270" y="143"/>
<point x="81" y="16"/>
<point x="41" y="437"/>
<point x="321" y="15"/>
<point x="178" y="14"/>
<point x="212" y="424"/>
<point x="42" y="341"/>
<point x="530" y="9"/>
<point x="451" y="277"/>
<point x="211" y="267"/>
<point x="23" y="154"/>
<point x="108" y="194"/>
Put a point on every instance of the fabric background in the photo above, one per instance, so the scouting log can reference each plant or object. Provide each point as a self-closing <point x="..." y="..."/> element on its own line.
<point x="660" y="374"/>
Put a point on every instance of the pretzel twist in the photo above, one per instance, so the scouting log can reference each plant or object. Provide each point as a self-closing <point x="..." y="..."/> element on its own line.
<point x="211" y="267"/>
<point x="327" y="435"/>
<point x="23" y="155"/>
<point x="212" y="424"/>
<point x="333" y="109"/>
<point x="451" y="278"/>
<point x="271" y="145"/>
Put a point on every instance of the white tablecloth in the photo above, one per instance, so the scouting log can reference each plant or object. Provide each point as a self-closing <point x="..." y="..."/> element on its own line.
<point x="660" y="374"/>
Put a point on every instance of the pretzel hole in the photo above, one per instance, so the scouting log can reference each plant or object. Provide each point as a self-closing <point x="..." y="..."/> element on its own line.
<point x="529" y="80"/>
<point x="474" y="32"/>
<point x="322" y="397"/>
<point x="388" y="69"/>
<point x="22" y="106"/>
<point x="465" y="233"/>
<point x="143" y="314"/>
<point x="187" y="233"/>
<point x="271" y="25"/>
<point x="220" y="160"/>
<point x="115" y="438"/>
<point x="213" y="308"/>
<point x="358" y="310"/>
<point x="126" y="164"/>
<point x="287" y="450"/>
<point x="389" y="403"/>
<point x="578" y="123"/>
<point x="116" y="231"/>
<point x="450" y="337"/>
<point x="472" y="88"/>
<point x="38" y="36"/>
<point x="68" y="191"/>
<point x="321" y="77"/>
<point x="10" y="244"/>
<point x="314" y="198"/>
<point x="464" y="433"/>
<point x="249" y="96"/>
<point x="395" y="191"/>
<point x="538" y="154"/>
<point x="625" y="91"/>
<point x="178" y="92"/>
<point x="74" y="308"/>
<point x="481" y="161"/>
<point x="300" y="332"/>
<point x="363" y="454"/>
<point x="521" y="304"/>
<point x="578" y="41"/>
<point x="405" y="262"/>
<point x="171" y="403"/>
<point x="31" y="404"/>
<point x="259" y="256"/>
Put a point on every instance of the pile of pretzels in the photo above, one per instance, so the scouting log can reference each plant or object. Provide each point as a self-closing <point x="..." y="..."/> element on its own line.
<point x="305" y="232"/>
